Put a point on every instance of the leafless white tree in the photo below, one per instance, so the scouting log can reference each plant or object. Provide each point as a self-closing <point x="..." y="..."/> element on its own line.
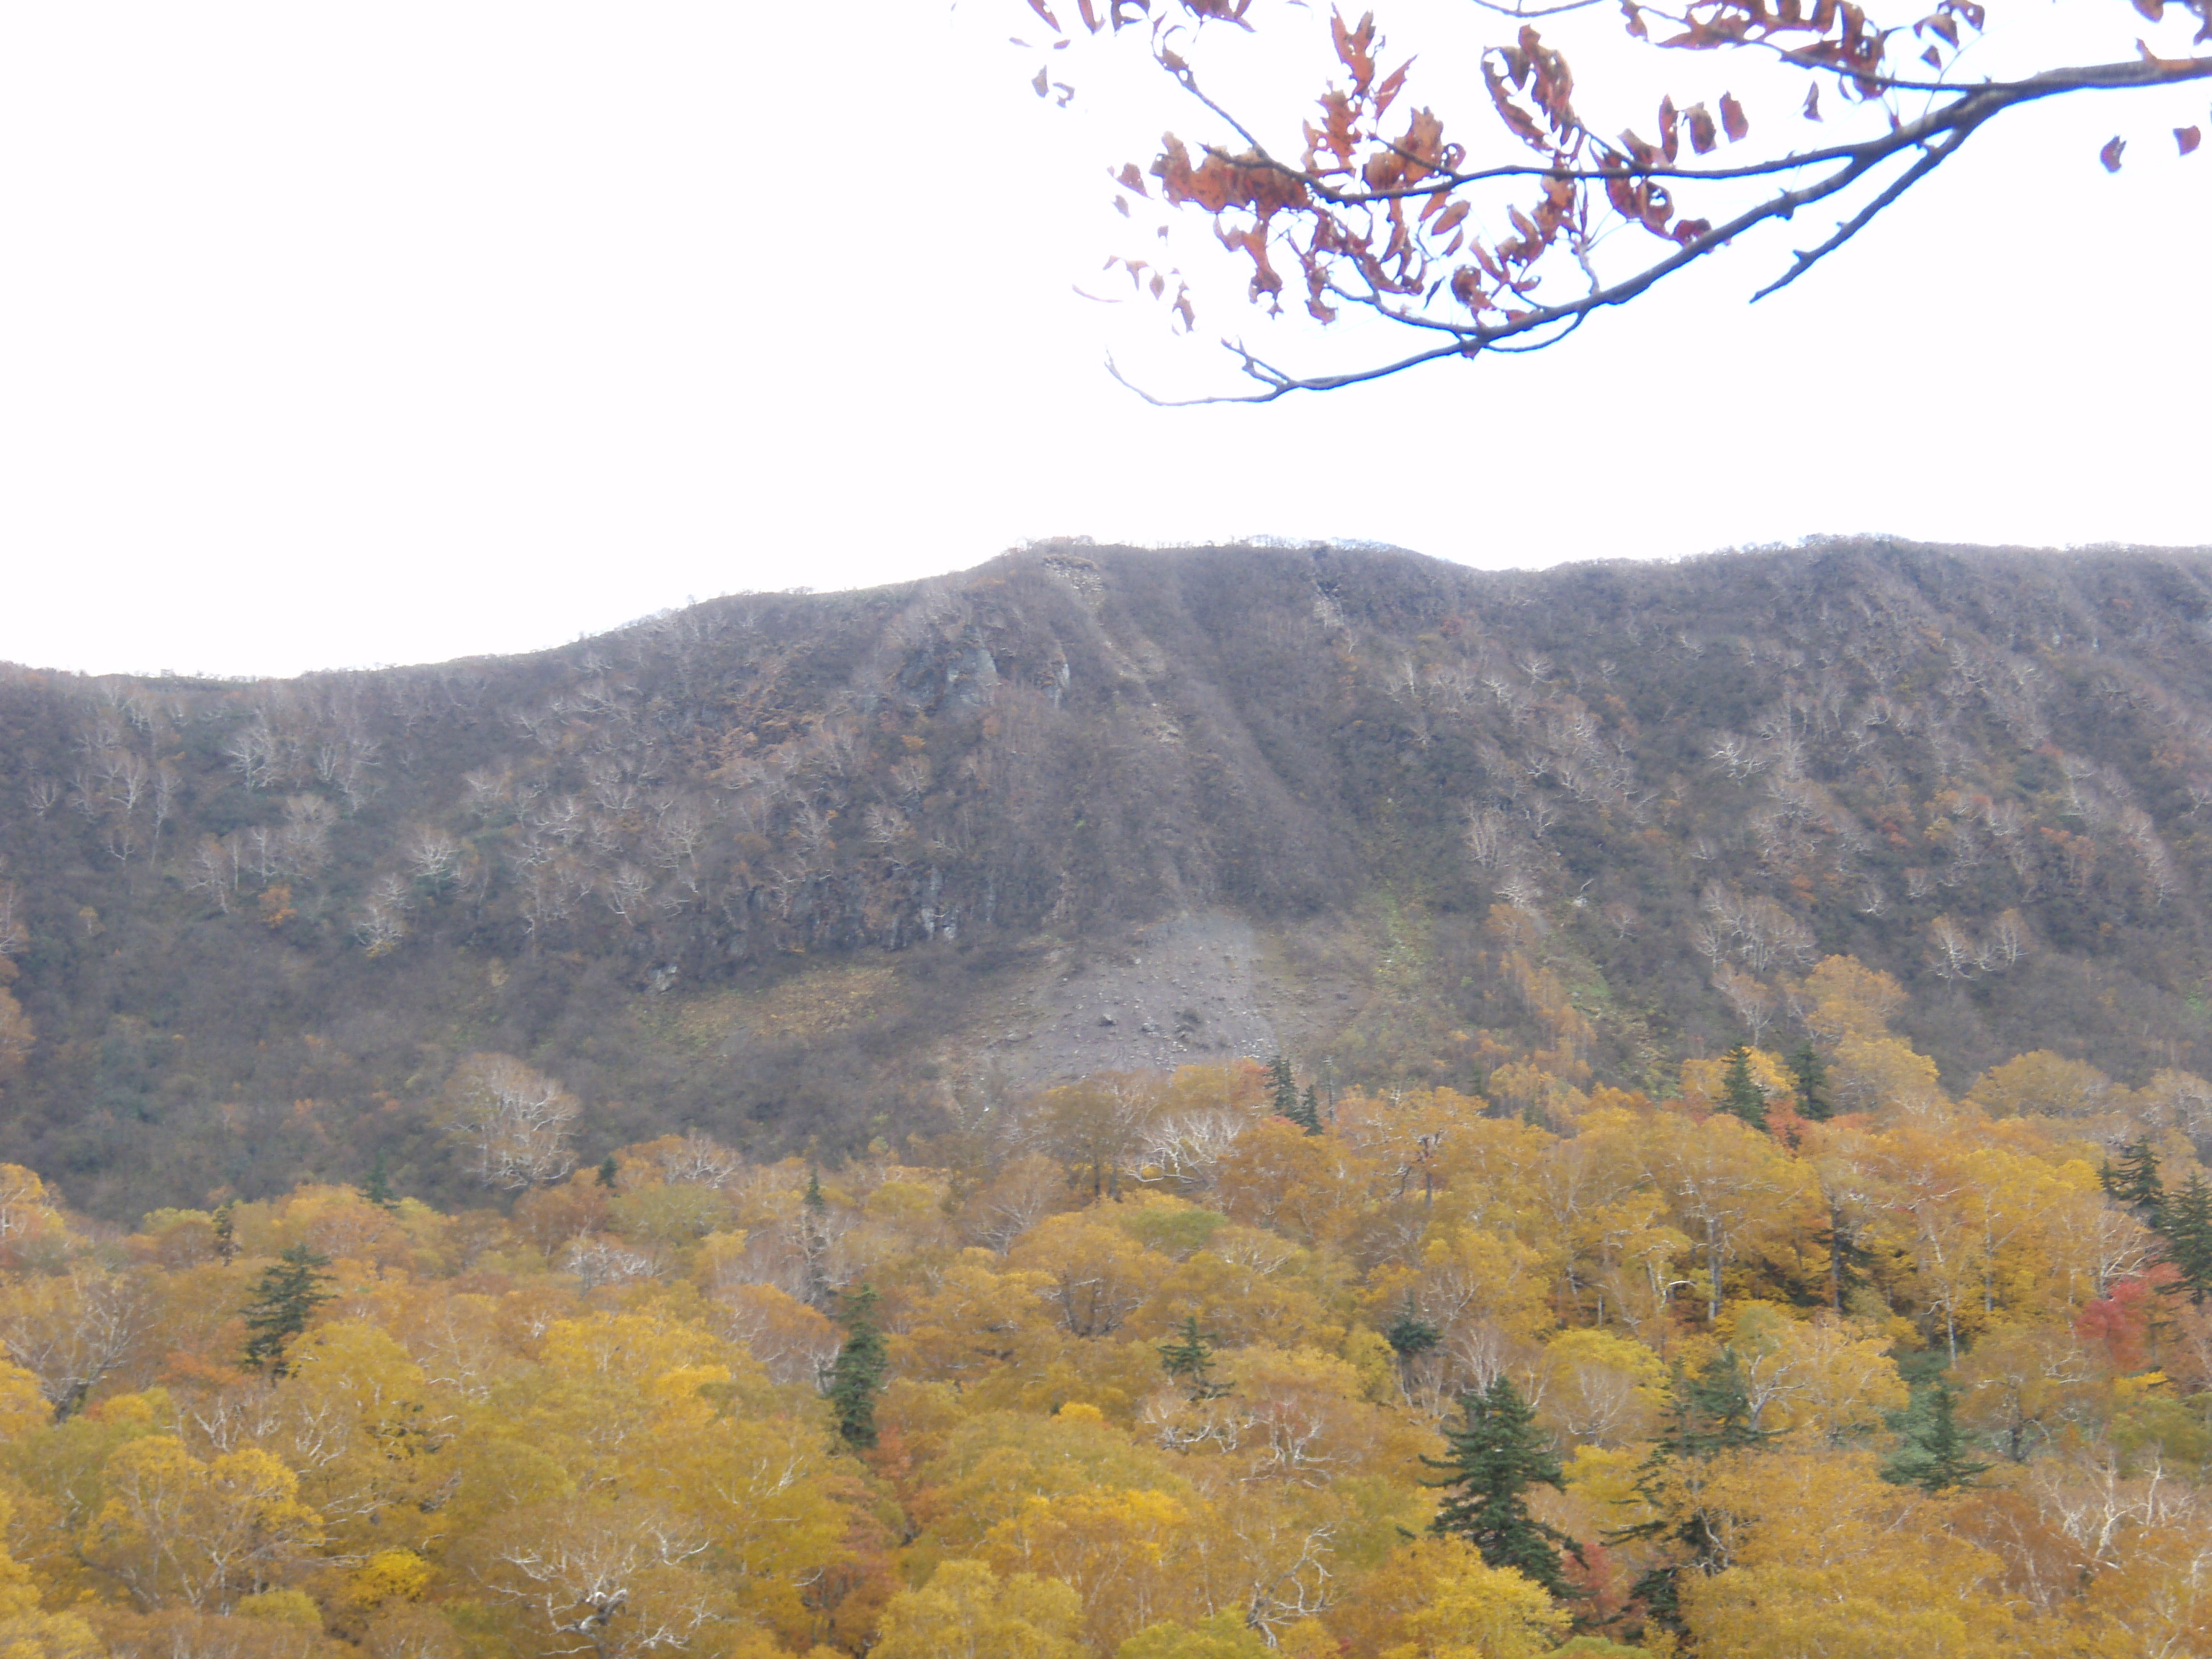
<point x="514" y="1122"/>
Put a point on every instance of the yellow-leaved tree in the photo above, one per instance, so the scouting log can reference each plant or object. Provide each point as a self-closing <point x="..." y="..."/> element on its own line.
<point x="1436" y="1599"/>
<point x="1824" y="1556"/>
<point x="178" y="1532"/>
<point x="968" y="1612"/>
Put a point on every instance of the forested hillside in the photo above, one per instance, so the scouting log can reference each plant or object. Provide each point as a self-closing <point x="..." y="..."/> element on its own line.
<point x="818" y="869"/>
<point x="749" y="1137"/>
<point x="1183" y="1365"/>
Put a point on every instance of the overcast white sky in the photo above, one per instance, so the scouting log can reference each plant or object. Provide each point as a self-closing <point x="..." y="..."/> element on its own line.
<point x="340" y="335"/>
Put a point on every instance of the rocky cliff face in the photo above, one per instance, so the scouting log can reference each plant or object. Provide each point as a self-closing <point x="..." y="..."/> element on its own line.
<point x="795" y="866"/>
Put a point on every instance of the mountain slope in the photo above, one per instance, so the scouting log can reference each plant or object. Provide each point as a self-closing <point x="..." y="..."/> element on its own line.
<point x="794" y="866"/>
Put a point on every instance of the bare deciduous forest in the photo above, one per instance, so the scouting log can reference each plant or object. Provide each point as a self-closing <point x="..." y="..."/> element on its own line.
<point x="808" y="870"/>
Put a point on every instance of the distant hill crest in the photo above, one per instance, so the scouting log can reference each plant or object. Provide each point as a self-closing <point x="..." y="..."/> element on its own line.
<point x="798" y="867"/>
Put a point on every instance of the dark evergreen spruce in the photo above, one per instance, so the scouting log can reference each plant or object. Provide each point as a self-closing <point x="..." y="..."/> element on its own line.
<point x="1740" y="1093"/>
<point x="1409" y="1335"/>
<point x="1932" y="1455"/>
<point x="377" y="1189"/>
<point x="284" y="1299"/>
<point x="857" y="1376"/>
<point x="1711" y="1414"/>
<point x="2185" y="1235"/>
<point x="1495" y="1454"/>
<point x="608" y="1171"/>
<point x="1712" y="1411"/>
<point x="1811" y="1076"/>
<point x="1288" y="1104"/>
<point x="814" y="1242"/>
<point x="226" y="1232"/>
<point x="1848" y="1259"/>
<point x="1188" y="1359"/>
<point x="2133" y="1180"/>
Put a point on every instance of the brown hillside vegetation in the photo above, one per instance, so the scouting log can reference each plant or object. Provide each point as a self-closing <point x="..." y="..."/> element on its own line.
<point x="797" y="869"/>
<point x="1145" y="1369"/>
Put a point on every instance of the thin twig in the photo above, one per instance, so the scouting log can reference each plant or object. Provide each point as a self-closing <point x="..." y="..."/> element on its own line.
<point x="1935" y="157"/>
<point x="1522" y="14"/>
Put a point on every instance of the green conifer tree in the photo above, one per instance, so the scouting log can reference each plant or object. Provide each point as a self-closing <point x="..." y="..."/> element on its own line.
<point x="1810" y="1074"/>
<point x="1409" y="1335"/>
<point x="1740" y="1093"/>
<point x="814" y="1241"/>
<point x="608" y="1171"/>
<point x="1711" y="1414"/>
<point x="1931" y="1454"/>
<point x="1287" y="1102"/>
<point x="1848" y="1259"/>
<point x="2186" y="1241"/>
<point x="1493" y="1455"/>
<point x="284" y="1298"/>
<point x="1309" y="1110"/>
<point x="226" y="1232"/>
<point x="857" y="1376"/>
<point x="1188" y="1359"/>
<point x="2133" y="1180"/>
<point x="1712" y="1411"/>
<point x="377" y="1189"/>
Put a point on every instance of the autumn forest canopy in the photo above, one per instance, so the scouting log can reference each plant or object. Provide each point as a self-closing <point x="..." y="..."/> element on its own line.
<point x="1143" y="1105"/>
<point x="1809" y="1358"/>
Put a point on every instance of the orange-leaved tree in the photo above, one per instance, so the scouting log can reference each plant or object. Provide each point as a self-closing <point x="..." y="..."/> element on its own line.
<point x="1491" y="229"/>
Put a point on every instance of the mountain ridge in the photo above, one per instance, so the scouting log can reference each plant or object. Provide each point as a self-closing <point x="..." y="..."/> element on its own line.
<point x="792" y="866"/>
